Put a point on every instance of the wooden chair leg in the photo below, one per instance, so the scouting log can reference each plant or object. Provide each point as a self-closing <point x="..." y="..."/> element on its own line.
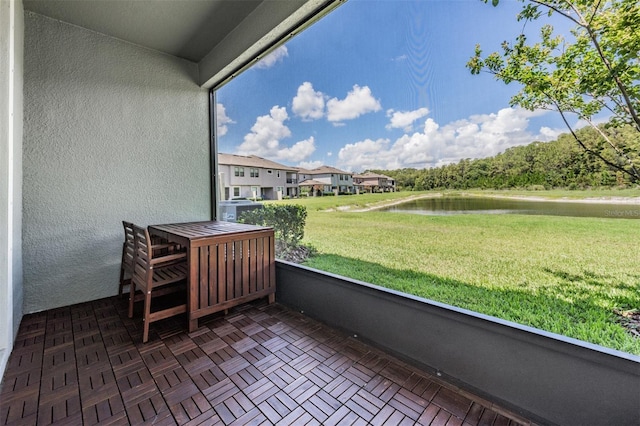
<point x="132" y="293"/>
<point x="121" y="286"/>
<point x="122" y="263"/>
<point x="124" y="283"/>
<point x="146" y="317"/>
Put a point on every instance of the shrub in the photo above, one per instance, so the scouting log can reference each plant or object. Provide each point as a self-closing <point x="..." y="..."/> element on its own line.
<point x="536" y="188"/>
<point x="287" y="221"/>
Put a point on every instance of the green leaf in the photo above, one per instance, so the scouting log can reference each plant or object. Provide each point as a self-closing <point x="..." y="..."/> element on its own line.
<point x="594" y="72"/>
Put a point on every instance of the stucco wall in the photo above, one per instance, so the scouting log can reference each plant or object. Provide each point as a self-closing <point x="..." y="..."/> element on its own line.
<point x="11" y="65"/>
<point x="16" y="222"/>
<point x="112" y="131"/>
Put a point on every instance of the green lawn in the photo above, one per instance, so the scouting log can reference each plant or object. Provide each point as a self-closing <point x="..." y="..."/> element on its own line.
<point x="564" y="275"/>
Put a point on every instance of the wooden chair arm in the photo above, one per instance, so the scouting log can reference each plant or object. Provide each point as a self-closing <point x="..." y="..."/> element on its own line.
<point x="167" y="245"/>
<point x="168" y="258"/>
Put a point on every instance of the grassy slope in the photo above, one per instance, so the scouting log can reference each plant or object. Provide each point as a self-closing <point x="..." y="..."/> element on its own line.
<point x="564" y="275"/>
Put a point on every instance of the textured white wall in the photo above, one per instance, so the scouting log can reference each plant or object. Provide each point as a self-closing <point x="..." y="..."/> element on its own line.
<point x="16" y="255"/>
<point x="113" y="131"/>
<point x="11" y="65"/>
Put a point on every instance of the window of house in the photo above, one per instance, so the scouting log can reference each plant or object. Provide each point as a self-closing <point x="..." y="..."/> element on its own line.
<point x="238" y="171"/>
<point x="278" y="173"/>
<point x="236" y="191"/>
<point x="254" y="173"/>
<point x="269" y="171"/>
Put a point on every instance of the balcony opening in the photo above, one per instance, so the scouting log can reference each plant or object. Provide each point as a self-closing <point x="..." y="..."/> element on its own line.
<point x="380" y="93"/>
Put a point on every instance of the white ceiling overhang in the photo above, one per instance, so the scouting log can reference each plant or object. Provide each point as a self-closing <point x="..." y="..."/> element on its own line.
<point x="224" y="37"/>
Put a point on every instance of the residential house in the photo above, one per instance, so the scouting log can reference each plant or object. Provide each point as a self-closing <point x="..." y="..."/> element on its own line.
<point x="373" y="182"/>
<point x="255" y="177"/>
<point x="327" y="179"/>
<point x="311" y="187"/>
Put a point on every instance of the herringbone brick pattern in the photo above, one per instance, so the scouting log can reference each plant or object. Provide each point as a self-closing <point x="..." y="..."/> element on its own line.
<point x="260" y="364"/>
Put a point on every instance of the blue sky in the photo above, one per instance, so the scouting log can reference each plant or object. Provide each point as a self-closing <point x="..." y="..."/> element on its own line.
<point x="382" y="84"/>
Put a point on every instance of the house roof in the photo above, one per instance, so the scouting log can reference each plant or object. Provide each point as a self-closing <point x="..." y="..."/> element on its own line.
<point x="323" y="170"/>
<point x="370" y="175"/>
<point x="252" y="161"/>
<point x="311" y="182"/>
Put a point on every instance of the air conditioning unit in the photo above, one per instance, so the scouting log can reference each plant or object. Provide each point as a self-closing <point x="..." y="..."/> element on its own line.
<point x="230" y="210"/>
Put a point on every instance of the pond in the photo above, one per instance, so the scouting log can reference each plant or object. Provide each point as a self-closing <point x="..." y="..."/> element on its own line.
<point x="488" y="205"/>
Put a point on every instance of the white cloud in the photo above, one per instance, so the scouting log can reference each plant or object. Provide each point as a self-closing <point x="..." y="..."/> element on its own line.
<point x="478" y="136"/>
<point x="266" y="134"/>
<point x="547" y="134"/>
<point x="309" y="165"/>
<point x="222" y="120"/>
<point x="297" y="152"/>
<point x="308" y="104"/>
<point x="358" y="101"/>
<point x="404" y="119"/>
<point x="366" y="154"/>
<point x="273" y="58"/>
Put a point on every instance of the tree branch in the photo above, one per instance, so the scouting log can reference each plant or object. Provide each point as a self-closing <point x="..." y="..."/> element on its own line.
<point x="594" y="40"/>
<point x="634" y="175"/>
<point x="558" y="11"/>
<point x="604" y="104"/>
<point x="615" y="148"/>
<point x="616" y="78"/>
<point x="595" y="11"/>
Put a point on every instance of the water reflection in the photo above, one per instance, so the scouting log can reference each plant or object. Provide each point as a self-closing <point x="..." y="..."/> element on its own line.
<point x="481" y="205"/>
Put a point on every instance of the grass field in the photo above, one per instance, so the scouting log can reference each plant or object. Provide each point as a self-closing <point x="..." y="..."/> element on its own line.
<point x="564" y="275"/>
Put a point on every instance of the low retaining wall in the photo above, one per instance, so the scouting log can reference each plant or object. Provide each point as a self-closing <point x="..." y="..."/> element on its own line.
<point x="550" y="378"/>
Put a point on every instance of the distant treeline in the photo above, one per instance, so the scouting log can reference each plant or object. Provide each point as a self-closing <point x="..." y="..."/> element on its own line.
<point x="540" y="165"/>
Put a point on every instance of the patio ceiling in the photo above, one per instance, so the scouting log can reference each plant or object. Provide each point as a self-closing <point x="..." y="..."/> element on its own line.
<point x="223" y="37"/>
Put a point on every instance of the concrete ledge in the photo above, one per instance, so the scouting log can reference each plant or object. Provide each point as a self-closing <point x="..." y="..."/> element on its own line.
<point x="550" y="378"/>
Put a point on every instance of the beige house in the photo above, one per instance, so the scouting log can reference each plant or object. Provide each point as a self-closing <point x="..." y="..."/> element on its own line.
<point x="373" y="182"/>
<point x="255" y="177"/>
<point x="330" y="178"/>
<point x="312" y="187"/>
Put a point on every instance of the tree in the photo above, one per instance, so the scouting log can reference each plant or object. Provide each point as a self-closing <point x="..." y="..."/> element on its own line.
<point x="598" y="70"/>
